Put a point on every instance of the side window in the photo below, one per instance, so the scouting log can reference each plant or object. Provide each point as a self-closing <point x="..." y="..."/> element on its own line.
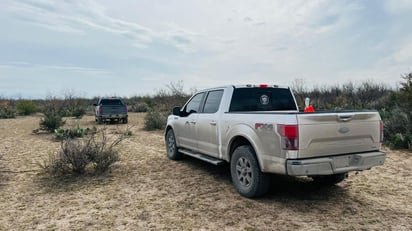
<point x="213" y="101"/>
<point x="194" y="105"/>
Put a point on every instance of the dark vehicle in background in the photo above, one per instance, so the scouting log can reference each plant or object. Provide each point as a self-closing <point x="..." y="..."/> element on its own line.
<point x="110" y="110"/>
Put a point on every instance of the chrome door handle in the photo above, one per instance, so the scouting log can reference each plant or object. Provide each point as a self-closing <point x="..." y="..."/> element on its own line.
<point x="213" y="123"/>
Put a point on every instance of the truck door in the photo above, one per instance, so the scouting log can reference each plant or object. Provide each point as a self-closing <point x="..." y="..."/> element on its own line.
<point x="186" y="124"/>
<point x="207" y="126"/>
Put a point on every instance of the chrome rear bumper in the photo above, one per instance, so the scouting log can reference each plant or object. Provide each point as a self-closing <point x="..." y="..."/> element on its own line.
<point x="334" y="164"/>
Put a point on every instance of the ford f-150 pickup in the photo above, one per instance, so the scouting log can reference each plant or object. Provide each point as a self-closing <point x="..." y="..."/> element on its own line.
<point x="110" y="109"/>
<point x="259" y="130"/>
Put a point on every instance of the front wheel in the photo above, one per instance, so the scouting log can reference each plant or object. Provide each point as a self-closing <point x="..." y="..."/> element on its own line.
<point x="249" y="181"/>
<point x="171" y="147"/>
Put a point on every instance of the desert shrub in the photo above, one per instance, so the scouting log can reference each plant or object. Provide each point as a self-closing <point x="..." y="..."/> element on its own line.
<point x="405" y="94"/>
<point x="73" y="109"/>
<point x="73" y="105"/>
<point x="155" y="119"/>
<point x="6" y="110"/>
<point x="162" y="103"/>
<point x="398" y="140"/>
<point x="76" y="156"/>
<point x="53" y="111"/>
<point x="396" y="132"/>
<point x="139" y="107"/>
<point x="365" y="95"/>
<point x="69" y="106"/>
<point x="71" y="133"/>
<point x="396" y="113"/>
<point x="51" y="122"/>
<point x="53" y="105"/>
<point x="78" y="112"/>
<point x="26" y="107"/>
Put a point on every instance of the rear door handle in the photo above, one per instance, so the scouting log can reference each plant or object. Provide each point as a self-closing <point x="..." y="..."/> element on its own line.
<point x="213" y="123"/>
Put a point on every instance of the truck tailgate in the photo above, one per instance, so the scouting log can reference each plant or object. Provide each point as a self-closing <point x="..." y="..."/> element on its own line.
<point x="113" y="109"/>
<point x="325" y="134"/>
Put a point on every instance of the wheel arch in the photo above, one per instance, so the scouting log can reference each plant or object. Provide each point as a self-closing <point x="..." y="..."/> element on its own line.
<point x="240" y="140"/>
<point x="167" y="129"/>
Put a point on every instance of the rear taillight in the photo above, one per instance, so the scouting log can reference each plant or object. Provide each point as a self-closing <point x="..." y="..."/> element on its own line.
<point x="289" y="136"/>
<point x="381" y="131"/>
<point x="100" y="110"/>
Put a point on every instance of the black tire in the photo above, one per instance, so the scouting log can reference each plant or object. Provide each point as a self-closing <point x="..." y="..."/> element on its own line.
<point x="330" y="179"/>
<point x="124" y="121"/>
<point x="171" y="147"/>
<point x="249" y="181"/>
<point x="99" y="120"/>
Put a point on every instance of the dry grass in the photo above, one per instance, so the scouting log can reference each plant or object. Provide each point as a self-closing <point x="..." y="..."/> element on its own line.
<point x="146" y="191"/>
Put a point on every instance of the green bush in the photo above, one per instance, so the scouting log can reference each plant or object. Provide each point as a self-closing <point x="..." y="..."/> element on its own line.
<point x="78" y="112"/>
<point x="51" y="122"/>
<point x="154" y="120"/>
<point x="397" y="116"/>
<point x="73" y="111"/>
<point x="6" y="110"/>
<point x="138" y="107"/>
<point x="398" y="140"/>
<point x="71" y="133"/>
<point x="94" y="153"/>
<point x="26" y="107"/>
<point x="53" y="114"/>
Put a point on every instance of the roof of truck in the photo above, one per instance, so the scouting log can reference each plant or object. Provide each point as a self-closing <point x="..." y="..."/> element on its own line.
<point x="262" y="85"/>
<point x="246" y="86"/>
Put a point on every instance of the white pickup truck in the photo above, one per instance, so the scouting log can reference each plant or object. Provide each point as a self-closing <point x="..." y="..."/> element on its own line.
<point x="259" y="130"/>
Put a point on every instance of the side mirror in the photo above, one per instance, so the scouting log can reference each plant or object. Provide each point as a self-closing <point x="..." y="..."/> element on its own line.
<point x="95" y="104"/>
<point x="176" y="111"/>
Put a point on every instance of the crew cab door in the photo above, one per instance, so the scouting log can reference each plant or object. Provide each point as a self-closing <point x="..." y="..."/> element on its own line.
<point x="186" y="122"/>
<point x="207" y="126"/>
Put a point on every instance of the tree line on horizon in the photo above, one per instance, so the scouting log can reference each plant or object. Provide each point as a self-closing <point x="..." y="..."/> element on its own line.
<point x="394" y="105"/>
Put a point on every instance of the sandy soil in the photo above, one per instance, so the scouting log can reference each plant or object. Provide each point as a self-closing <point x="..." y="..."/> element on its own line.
<point x="146" y="191"/>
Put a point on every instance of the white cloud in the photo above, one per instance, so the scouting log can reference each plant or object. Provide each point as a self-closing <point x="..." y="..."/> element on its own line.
<point x="396" y="6"/>
<point x="77" y="16"/>
<point x="206" y="43"/>
<point x="404" y="53"/>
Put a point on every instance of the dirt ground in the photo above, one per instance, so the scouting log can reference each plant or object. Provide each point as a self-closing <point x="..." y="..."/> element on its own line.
<point x="146" y="191"/>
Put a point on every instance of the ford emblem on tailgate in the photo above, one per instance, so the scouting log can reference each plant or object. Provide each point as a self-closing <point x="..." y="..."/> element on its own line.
<point x="343" y="130"/>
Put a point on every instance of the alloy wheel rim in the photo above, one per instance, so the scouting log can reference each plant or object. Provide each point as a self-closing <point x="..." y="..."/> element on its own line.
<point x="171" y="143"/>
<point x="244" y="172"/>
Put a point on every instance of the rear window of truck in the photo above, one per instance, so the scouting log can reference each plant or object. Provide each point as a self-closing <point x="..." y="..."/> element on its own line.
<point x="262" y="99"/>
<point x="111" y="102"/>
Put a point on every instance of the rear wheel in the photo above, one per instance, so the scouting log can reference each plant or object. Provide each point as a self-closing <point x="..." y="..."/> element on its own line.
<point x="330" y="179"/>
<point x="249" y="181"/>
<point x="171" y="147"/>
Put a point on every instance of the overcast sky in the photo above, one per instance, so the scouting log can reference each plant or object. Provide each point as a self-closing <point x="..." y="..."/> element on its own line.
<point x="136" y="47"/>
